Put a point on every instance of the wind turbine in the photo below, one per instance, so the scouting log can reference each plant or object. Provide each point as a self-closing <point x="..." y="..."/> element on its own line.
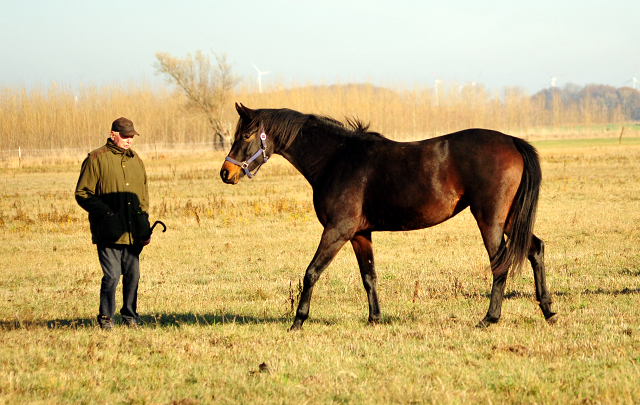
<point x="467" y="84"/>
<point x="633" y="81"/>
<point x="553" y="79"/>
<point x="260" y="78"/>
<point x="471" y="84"/>
<point x="436" y="84"/>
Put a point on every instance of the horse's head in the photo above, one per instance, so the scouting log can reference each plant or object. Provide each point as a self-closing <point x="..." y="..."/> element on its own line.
<point x="251" y="148"/>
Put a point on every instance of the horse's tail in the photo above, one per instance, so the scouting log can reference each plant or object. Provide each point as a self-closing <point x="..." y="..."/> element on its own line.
<point x="522" y="214"/>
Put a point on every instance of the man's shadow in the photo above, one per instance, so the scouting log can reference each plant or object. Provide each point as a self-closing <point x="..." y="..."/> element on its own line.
<point x="160" y="320"/>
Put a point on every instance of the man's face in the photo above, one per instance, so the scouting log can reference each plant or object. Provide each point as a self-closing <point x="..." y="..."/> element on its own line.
<point x="121" y="141"/>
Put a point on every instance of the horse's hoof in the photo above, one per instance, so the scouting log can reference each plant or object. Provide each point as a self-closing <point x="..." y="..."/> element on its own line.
<point x="486" y="322"/>
<point x="552" y="319"/>
<point x="483" y="324"/>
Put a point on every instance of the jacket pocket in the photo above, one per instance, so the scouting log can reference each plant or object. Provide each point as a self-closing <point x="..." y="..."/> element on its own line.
<point x="111" y="229"/>
<point x="141" y="226"/>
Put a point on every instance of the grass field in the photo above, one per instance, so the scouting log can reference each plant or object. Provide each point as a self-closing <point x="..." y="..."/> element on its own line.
<point x="218" y="291"/>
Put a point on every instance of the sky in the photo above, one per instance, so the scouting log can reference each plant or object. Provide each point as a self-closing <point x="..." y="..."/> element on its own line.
<point x="497" y="43"/>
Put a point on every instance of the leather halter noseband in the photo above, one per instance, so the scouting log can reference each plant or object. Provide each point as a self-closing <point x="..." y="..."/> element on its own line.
<point x="262" y="151"/>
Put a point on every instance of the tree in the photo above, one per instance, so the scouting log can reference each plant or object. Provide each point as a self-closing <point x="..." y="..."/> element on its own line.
<point x="206" y="86"/>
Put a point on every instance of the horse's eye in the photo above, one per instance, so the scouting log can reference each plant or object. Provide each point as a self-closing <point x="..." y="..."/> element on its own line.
<point x="246" y="136"/>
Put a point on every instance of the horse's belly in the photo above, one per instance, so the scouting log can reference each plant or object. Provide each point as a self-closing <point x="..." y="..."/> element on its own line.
<point x="394" y="218"/>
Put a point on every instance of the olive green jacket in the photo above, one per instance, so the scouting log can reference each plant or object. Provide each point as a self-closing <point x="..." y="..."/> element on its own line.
<point x="112" y="188"/>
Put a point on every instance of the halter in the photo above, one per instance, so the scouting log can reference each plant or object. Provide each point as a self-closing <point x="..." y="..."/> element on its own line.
<point x="262" y="151"/>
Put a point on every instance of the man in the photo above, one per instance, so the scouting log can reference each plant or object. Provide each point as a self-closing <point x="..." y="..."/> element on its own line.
<point x="112" y="188"/>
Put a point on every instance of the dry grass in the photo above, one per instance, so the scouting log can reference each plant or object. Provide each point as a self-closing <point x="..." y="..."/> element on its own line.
<point x="216" y="295"/>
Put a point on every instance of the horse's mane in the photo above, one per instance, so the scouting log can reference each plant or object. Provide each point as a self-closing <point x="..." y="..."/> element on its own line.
<point x="285" y="125"/>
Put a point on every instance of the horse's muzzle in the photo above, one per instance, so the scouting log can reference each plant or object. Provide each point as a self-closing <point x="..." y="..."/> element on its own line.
<point x="230" y="173"/>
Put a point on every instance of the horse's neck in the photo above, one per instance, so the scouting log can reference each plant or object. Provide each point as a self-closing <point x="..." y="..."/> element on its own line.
<point x="310" y="152"/>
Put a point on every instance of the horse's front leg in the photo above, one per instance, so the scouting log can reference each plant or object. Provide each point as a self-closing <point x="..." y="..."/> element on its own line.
<point x="364" y="253"/>
<point x="330" y="244"/>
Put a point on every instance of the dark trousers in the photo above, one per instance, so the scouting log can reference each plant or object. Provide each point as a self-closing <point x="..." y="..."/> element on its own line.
<point x="116" y="261"/>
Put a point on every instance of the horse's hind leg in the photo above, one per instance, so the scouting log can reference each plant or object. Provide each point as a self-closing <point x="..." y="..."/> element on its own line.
<point x="493" y="238"/>
<point x="364" y="253"/>
<point x="536" y="257"/>
<point x="495" y="305"/>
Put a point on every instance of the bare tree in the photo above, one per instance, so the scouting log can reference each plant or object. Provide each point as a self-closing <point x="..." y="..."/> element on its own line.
<point x="206" y="86"/>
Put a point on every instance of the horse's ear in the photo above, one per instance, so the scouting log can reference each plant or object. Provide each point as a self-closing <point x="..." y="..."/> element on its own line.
<point x="245" y="113"/>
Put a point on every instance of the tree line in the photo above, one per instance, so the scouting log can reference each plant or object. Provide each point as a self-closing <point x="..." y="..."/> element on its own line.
<point x="627" y="99"/>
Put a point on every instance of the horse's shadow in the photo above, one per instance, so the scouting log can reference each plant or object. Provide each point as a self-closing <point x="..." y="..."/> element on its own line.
<point x="614" y="292"/>
<point x="513" y="294"/>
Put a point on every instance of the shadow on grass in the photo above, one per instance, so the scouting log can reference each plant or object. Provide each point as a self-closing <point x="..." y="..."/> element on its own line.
<point x="624" y="291"/>
<point x="597" y="291"/>
<point x="631" y="272"/>
<point x="515" y="294"/>
<point x="166" y="320"/>
<point x="177" y="320"/>
<point x="163" y="320"/>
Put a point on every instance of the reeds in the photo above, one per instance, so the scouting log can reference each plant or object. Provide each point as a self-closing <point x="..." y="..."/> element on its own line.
<point x="62" y="117"/>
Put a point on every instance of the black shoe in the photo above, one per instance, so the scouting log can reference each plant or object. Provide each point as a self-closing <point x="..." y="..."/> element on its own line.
<point x="105" y="322"/>
<point x="133" y="323"/>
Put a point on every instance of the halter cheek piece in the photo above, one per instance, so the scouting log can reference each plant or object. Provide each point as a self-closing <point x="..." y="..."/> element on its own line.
<point x="262" y="151"/>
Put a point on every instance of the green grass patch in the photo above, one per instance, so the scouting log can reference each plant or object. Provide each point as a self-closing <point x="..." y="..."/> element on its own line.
<point x="586" y="143"/>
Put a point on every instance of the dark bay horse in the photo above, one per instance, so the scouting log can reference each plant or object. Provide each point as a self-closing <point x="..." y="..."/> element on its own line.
<point x="363" y="182"/>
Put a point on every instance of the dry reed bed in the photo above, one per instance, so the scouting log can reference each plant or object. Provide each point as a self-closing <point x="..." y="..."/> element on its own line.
<point x="65" y="120"/>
